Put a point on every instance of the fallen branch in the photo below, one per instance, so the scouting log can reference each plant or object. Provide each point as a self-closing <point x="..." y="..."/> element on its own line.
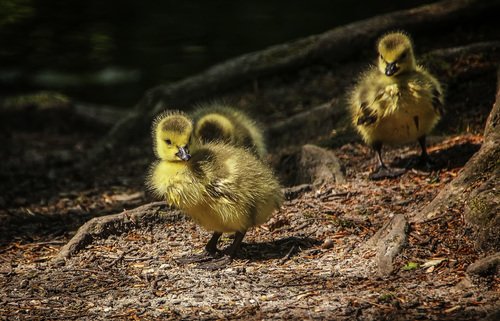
<point x="388" y="242"/>
<point x="104" y="226"/>
<point x="296" y="191"/>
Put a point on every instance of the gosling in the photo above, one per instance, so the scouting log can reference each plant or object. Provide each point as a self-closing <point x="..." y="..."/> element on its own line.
<point x="397" y="102"/>
<point x="222" y="187"/>
<point x="222" y="123"/>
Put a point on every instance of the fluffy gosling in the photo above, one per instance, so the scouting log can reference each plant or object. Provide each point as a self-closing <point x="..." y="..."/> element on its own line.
<point x="396" y="102"/>
<point x="222" y="187"/>
<point x="222" y="123"/>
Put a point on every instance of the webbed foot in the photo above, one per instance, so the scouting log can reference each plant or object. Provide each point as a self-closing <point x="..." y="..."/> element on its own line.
<point x="422" y="163"/>
<point x="216" y="264"/>
<point x="385" y="172"/>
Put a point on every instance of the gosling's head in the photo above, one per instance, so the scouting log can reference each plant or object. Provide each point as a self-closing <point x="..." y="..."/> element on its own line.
<point x="171" y="136"/>
<point x="214" y="127"/>
<point x="395" y="54"/>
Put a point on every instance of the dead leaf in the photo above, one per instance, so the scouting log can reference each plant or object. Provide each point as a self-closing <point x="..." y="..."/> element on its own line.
<point x="430" y="269"/>
<point x="433" y="262"/>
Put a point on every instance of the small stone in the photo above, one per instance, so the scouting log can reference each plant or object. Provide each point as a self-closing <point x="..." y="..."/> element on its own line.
<point x="327" y="244"/>
<point x="23" y="284"/>
<point x="318" y="166"/>
<point x="467" y="295"/>
<point x="486" y="266"/>
<point x="148" y="271"/>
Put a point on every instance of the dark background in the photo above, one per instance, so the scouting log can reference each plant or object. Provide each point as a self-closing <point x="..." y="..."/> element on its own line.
<point x="110" y="52"/>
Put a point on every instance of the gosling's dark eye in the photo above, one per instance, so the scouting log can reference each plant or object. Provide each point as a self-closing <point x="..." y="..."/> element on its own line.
<point x="168" y="141"/>
<point x="403" y="56"/>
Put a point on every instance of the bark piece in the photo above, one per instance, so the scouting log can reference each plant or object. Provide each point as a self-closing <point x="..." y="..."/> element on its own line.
<point x="104" y="226"/>
<point x="388" y="242"/>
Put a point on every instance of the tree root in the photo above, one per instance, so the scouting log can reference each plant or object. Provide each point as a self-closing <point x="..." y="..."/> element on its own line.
<point x="104" y="226"/>
<point x="476" y="188"/>
<point x="470" y="49"/>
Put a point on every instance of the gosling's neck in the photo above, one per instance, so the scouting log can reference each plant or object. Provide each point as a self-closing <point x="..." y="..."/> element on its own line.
<point x="173" y="166"/>
<point x="401" y="78"/>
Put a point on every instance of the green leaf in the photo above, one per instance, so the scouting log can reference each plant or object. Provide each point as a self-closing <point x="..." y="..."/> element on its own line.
<point x="410" y="266"/>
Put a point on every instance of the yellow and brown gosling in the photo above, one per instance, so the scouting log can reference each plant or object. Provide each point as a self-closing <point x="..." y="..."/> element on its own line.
<point x="222" y="187"/>
<point x="222" y="123"/>
<point x="396" y="102"/>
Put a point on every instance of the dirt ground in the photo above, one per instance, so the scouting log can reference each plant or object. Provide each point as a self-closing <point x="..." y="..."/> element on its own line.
<point x="308" y="262"/>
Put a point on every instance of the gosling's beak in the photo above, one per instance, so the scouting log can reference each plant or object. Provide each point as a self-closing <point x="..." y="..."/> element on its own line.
<point x="391" y="69"/>
<point x="183" y="154"/>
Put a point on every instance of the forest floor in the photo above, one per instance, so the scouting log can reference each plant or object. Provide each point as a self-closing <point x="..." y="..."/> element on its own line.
<point x="308" y="262"/>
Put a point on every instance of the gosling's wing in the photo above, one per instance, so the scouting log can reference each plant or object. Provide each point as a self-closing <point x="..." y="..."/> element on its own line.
<point x="219" y="189"/>
<point x="370" y="100"/>
<point x="366" y="115"/>
<point x="431" y="88"/>
<point x="209" y="165"/>
<point x="437" y="98"/>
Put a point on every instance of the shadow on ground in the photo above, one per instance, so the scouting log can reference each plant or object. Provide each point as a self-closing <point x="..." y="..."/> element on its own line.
<point x="284" y="248"/>
<point x="455" y="156"/>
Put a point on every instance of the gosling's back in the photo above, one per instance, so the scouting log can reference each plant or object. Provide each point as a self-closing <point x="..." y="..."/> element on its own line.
<point x="222" y="123"/>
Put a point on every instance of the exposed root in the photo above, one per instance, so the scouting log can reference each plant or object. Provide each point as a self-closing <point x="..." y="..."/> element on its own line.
<point x="104" y="226"/>
<point x="475" y="190"/>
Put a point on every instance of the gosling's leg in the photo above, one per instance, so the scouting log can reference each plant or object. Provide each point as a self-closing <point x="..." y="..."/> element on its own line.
<point x="382" y="171"/>
<point x="207" y="255"/>
<point x="424" y="160"/>
<point x="211" y="247"/>
<point x="229" y="254"/>
<point x="235" y="246"/>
